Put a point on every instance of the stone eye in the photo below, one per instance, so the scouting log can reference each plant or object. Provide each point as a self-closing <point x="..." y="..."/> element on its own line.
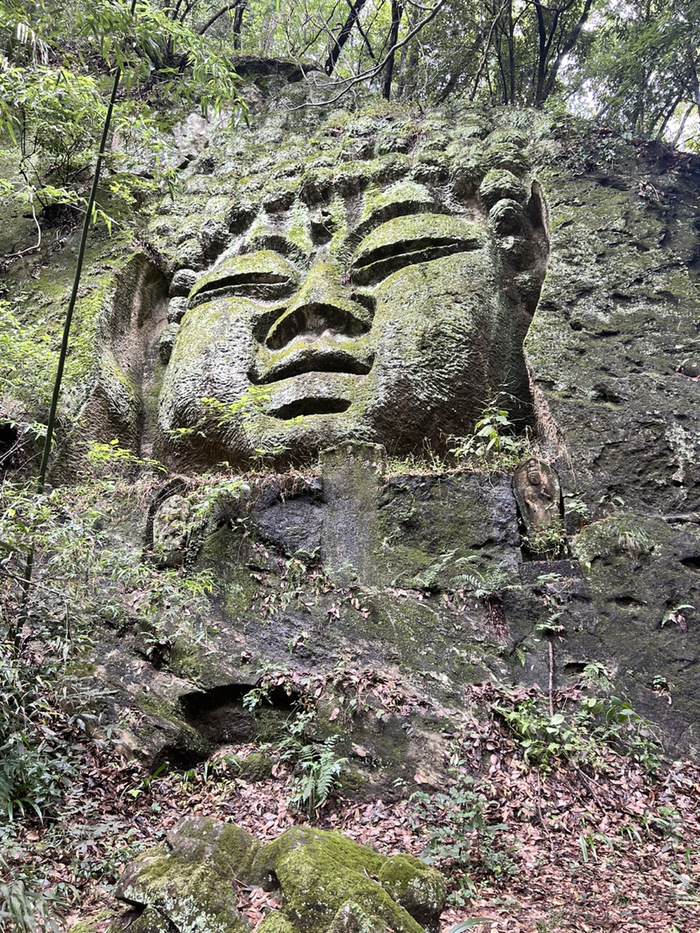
<point x="263" y="276"/>
<point x="260" y="285"/>
<point x="407" y="241"/>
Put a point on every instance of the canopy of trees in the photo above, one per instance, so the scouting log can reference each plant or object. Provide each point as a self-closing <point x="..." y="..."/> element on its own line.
<point x="636" y="63"/>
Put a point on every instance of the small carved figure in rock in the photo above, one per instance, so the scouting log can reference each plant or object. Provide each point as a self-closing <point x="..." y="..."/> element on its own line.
<point x="538" y="495"/>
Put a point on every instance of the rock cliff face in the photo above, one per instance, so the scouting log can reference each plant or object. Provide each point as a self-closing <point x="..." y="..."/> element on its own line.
<point x="369" y="282"/>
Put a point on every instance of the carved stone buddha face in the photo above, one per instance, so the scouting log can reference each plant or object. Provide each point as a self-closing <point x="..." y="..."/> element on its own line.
<point x="387" y="311"/>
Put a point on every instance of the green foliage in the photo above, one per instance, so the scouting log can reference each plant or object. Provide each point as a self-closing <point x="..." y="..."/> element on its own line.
<point x="84" y="575"/>
<point x="493" y="445"/>
<point x="38" y="764"/>
<point x="676" y="615"/>
<point x="459" y="835"/>
<point x="35" y="764"/>
<point x="580" y="734"/>
<point x="109" y="459"/>
<point x="23" y="909"/>
<point x="257" y="697"/>
<point x="26" y="362"/>
<point x="641" y="72"/>
<point x="320" y="768"/>
<point x="576" y="507"/>
<point x="428" y="579"/>
<point x="244" y="410"/>
<point x="548" y="542"/>
<point x="633" y="540"/>
<point x="52" y="107"/>
<point x="428" y="461"/>
<point x="481" y="584"/>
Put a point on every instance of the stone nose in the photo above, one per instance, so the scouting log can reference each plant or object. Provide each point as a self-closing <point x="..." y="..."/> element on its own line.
<point x="321" y="310"/>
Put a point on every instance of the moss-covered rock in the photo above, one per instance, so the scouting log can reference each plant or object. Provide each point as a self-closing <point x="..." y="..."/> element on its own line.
<point x="417" y="888"/>
<point x="320" y="872"/>
<point x="326" y="881"/>
<point x="186" y="881"/>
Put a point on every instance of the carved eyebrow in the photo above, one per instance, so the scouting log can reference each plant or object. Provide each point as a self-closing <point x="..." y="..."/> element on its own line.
<point x="380" y="216"/>
<point x="408" y="241"/>
<point x="263" y="274"/>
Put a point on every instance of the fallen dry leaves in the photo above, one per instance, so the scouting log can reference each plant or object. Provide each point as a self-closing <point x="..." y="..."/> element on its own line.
<point x="609" y="850"/>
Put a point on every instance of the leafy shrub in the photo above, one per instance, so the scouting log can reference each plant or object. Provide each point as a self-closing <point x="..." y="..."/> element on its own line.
<point x="494" y="444"/>
<point x="581" y="734"/>
<point x="459" y="835"/>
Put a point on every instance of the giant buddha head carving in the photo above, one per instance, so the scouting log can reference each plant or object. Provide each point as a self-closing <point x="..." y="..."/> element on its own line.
<point x="384" y="298"/>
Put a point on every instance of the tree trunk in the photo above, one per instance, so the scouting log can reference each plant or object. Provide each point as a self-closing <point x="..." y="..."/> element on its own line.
<point x="343" y="36"/>
<point x="388" y="76"/>
<point x="238" y="24"/>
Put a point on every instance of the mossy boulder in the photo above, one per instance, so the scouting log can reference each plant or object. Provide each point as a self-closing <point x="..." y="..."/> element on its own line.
<point x="418" y="889"/>
<point x="327" y="883"/>
<point x="186" y="881"/>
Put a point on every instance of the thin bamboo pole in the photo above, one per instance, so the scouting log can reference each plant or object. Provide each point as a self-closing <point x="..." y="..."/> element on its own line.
<point x="41" y="480"/>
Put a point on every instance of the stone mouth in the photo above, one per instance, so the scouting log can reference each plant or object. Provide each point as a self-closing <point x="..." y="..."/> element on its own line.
<point x="314" y="359"/>
<point x="311" y="393"/>
<point x="309" y="406"/>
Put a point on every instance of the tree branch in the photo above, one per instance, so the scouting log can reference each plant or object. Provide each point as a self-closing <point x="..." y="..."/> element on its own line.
<point x="343" y="36"/>
<point x="373" y="72"/>
<point x="213" y="19"/>
<point x="487" y="49"/>
<point x="568" y="46"/>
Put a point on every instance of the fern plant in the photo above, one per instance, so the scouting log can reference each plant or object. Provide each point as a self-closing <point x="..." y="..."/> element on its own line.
<point x="482" y="585"/>
<point x="320" y="770"/>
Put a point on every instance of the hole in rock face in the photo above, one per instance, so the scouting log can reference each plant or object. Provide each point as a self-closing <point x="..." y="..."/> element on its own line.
<point x="692" y="563"/>
<point x="574" y="668"/>
<point x="178" y="757"/>
<point x="627" y="602"/>
<point x="219" y="715"/>
<point x="321" y="232"/>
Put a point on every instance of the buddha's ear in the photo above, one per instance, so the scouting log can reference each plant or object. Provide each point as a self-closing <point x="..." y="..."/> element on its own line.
<point x="118" y="405"/>
<point x="537" y="211"/>
<point x="519" y="226"/>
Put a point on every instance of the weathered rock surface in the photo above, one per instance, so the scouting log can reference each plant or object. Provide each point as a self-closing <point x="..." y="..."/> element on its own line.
<point x="351" y="563"/>
<point x="324" y="881"/>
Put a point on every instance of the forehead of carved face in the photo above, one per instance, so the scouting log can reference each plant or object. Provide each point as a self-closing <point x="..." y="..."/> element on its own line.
<point x="351" y="303"/>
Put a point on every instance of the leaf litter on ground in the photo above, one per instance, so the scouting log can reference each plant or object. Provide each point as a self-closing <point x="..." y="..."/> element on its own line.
<point x="608" y="849"/>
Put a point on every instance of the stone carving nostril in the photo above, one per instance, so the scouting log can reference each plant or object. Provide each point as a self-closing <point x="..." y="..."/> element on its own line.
<point x="368" y="302"/>
<point x="315" y="321"/>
